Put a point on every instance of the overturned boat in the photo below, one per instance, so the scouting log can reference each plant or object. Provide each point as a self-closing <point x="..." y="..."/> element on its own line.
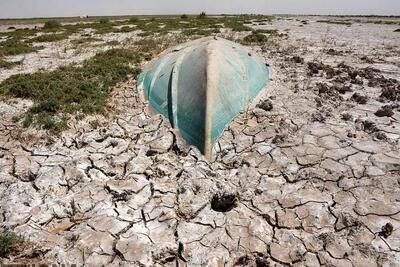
<point x="201" y="86"/>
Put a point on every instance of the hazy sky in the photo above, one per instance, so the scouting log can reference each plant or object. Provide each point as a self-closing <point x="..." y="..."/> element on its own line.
<point x="51" y="8"/>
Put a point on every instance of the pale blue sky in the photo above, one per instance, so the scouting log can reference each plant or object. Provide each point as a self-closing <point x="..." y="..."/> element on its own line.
<point x="51" y="8"/>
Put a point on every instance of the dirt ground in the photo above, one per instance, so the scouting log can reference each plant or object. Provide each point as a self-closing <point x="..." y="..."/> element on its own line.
<point x="308" y="176"/>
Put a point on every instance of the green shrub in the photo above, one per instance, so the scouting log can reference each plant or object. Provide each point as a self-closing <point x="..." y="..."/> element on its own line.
<point x="52" y="25"/>
<point x="255" y="38"/>
<point x="335" y="22"/>
<point x="49" y="37"/>
<point x="127" y="29"/>
<point x="113" y="43"/>
<point x="8" y="64"/>
<point x="266" y="31"/>
<point x="104" y="21"/>
<point x="7" y="241"/>
<point x="184" y="16"/>
<point x="15" y="46"/>
<point x="236" y="25"/>
<point x="133" y="19"/>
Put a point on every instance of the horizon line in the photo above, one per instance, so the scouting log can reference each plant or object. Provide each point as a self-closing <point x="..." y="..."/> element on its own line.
<point x="195" y="14"/>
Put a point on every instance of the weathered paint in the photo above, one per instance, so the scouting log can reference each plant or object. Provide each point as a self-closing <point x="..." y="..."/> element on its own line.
<point x="201" y="86"/>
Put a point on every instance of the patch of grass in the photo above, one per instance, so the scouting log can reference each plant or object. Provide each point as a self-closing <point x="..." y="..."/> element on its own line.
<point x="113" y="43"/>
<point x="85" y="40"/>
<point x="54" y="37"/>
<point x="147" y="46"/>
<point x="374" y="21"/>
<point x="71" y="90"/>
<point x="104" y="21"/>
<point x="52" y="25"/>
<point x="133" y="20"/>
<point x="15" y="46"/>
<point x="9" y="64"/>
<point x="266" y="31"/>
<point x="127" y="29"/>
<point x="8" y="241"/>
<point x="236" y="25"/>
<point x="204" y="32"/>
<point x="255" y="38"/>
<point x="191" y="25"/>
<point x="339" y="22"/>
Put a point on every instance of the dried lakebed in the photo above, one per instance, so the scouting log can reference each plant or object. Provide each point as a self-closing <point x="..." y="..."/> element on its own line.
<point x="308" y="176"/>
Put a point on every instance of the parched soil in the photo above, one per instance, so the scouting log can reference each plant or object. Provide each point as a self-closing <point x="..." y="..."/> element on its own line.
<point x="309" y="175"/>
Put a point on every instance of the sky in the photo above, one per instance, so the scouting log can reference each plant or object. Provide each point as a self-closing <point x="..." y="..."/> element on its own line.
<point x="58" y="8"/>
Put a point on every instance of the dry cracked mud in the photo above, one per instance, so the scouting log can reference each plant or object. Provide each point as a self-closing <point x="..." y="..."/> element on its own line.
<point x="311" y="180"/>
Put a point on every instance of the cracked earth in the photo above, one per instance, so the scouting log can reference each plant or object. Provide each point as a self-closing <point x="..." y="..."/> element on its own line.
<point x="309" y="175"/>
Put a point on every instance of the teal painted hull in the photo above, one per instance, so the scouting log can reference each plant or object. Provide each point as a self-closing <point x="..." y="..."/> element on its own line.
<point x="201" y="86"/>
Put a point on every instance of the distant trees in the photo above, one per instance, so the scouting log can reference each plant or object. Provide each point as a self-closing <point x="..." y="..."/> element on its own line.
<point x="184" y="16"/>
<point x="202" y="15"/>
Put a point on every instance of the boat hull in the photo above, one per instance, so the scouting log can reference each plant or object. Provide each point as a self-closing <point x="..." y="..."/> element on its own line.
<point x="201" y="86"/>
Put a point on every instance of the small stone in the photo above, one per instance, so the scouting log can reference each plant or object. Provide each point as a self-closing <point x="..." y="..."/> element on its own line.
<point x="162" y="143"/>
<point x="282" y="253"/>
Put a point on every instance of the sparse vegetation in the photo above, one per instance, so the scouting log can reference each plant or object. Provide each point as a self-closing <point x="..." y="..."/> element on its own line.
<point x="113" y="43"/>
<point x="52" y="25"/>
<point x="8" y="64"/>
<point x="255" y="38"/>
<point x="127" y="29"/>
<point x="85" y="40"/>
<point x="266" y="31"/>
<point x="133" y="19"/>
<point x="15" y="46"/>
<point x="104" y="21"/>
<point x="54" y="37"/>
<point x="78" y="90"/>
<point x="71" y="90"/>
<point x="205" y="32"/>
<point x="339" y="22"/>
<point x="8" y="241"/>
